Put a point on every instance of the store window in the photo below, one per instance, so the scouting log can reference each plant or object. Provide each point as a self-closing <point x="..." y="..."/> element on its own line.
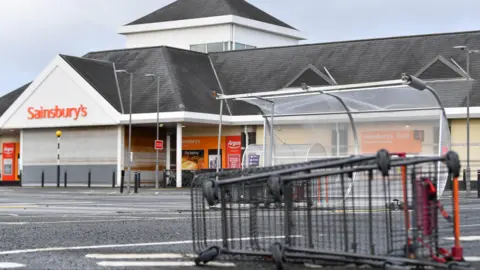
<point x="211" y="47"/>
<point x="240" y="46"/>
<point x="199" y="48"/>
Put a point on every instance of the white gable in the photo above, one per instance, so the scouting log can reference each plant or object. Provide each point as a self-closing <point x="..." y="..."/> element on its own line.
<point x="59" y="97"/>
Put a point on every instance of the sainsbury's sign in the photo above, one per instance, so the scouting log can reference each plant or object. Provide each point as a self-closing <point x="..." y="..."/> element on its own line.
<point x="57" y="112"/>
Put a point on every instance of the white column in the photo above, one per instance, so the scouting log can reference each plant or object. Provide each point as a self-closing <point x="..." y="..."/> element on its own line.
<point x="169" y="149"/>
<point x="120" y="154"/>
<point x="179" y="154"/>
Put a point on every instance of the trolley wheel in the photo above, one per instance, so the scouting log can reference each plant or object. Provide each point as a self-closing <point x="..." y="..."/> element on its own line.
<point x="275" y="187"/>
<point x="460" y="266"/>
<point x="210" y="192"/>
<point x="207" y="256"/>
<point x="277" y="255"/>
<point x="383" y="161"/>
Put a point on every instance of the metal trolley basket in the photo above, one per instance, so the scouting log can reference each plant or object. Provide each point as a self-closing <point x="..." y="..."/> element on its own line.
<point x="274" y="213"/>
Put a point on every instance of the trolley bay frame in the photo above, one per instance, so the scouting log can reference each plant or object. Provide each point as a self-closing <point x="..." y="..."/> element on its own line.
<point x="360" y="230"/>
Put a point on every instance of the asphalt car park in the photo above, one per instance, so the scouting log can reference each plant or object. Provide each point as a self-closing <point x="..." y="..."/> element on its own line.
<point x="72" y="228"/>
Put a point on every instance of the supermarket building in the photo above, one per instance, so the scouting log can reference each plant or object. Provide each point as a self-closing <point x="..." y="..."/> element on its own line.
<point x="194" y="49"/>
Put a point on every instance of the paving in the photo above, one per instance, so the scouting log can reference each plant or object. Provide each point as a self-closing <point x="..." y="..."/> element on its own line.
<point x="80" y="228"/>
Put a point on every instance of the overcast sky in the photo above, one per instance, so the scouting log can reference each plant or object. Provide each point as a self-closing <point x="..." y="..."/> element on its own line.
<point x="32" y="32"/>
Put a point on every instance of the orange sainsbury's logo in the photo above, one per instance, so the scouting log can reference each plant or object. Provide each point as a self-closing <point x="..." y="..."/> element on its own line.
<point x="57" y="112"/>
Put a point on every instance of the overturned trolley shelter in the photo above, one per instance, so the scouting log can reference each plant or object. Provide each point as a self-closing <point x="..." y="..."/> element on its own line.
<point x="337" y="207"/>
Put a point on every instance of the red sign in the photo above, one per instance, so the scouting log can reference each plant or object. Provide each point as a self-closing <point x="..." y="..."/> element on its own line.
<point x="158" y="144"/>
<point x="57" y="112"/>
<point x="9" y="162"/>
<point x="234" y="151"/>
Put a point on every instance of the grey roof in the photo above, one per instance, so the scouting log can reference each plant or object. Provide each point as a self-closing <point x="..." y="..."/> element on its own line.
<point x="7" y="99"/>
<point x="100" y="75"/>
<point x="193" y="9"/>
<point x="188" y="78"/>
<point x="269" y="69"/>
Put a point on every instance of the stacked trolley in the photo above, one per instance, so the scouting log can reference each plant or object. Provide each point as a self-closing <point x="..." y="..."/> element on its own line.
<point x="381" y="209"/>
<point x="258" y="214"/>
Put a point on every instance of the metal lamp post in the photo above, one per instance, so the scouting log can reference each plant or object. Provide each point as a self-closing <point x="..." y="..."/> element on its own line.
<point x="468" y="51"/>
<point x="158" y="126"/>
<point x="130" y="159"/>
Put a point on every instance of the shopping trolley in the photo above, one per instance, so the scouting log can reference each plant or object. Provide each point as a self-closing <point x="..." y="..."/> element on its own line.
<point x="273" y="213"/>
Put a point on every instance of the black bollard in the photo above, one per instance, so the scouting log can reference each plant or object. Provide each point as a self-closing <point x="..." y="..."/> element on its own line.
<point x="122" y="180"/>
<point x="135" y="185"/>
<point x="58" y="176"/>
<point x="65" y="178"/>
<point x="478" y="183"/>
<point x="113" y="179"/>
<point x="465" y="179"/>
<point x="43" y="178"/>
<point x="89" y="178"/>
<point x="139" y="179"/>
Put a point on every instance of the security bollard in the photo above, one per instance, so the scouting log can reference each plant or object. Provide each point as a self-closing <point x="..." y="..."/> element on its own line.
<point x="139" y="179"/>
<point x="89" y="178"/>
<point x="113" y="179"/>
<point x="135" y="183"/>
<point x="478" y="183"/>
<point x="122" y="181"/>
<point x="43" y="178"/>
<point x="65" y="178"/>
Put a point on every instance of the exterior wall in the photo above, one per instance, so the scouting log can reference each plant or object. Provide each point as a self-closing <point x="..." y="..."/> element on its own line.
<point x="260" y="38"/>
<point x="144" y="153"/>
<point x="59" y="99"/>
<point x="82" y="150"/>
<point x="212" y="131"/>
<point x="459" y="143"/>
<point x="322" y="134"/>
<point x="180" y="38"/>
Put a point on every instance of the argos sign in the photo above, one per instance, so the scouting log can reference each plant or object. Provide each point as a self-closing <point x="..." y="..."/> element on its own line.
<point x="234" y="144"/>
<point x="57" y="112"/>
<point x="234" y="151"/>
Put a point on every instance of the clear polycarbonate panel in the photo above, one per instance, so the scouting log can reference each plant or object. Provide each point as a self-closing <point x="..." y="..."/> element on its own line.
<point x="399" y="119"/>
<point x="358" y="100"/>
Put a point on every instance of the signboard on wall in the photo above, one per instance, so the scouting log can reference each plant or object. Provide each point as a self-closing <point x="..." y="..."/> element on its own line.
<point x="400" y="141"/>
<point x="9" y="162"/>
<point x="253" y="160"/>
<point x="234" y="151"/>
<point x="193" y="160"/>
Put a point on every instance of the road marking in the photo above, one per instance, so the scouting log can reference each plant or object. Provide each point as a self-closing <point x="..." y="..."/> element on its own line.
<point x="164" y="264"/>
<point x="137" y="256"/>
<point x="465" y="238"/>
<point x="50" y="249"/>
<point x="4" y="265"/>
<point x="472" y="258"/>
<point x="90" y="221"/>
<point x="17" y="206"/>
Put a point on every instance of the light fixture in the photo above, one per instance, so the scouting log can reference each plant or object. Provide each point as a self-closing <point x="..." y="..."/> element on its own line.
<point x="160" y="125"/>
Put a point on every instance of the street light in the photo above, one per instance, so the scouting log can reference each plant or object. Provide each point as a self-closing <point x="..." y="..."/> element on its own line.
<point x="468" y="51"/>
<point x="129" y="131"/>
<point x="158" y="124"/>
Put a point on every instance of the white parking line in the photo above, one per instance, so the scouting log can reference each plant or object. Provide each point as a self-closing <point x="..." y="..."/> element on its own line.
<point x="153" y="264"/>
<point x="90" y="221"/>
<point x="465" y="238"/>
<point x="472" y="258"/>
<point x="6" y="265"/>
<point x="136" y="256"/>
<point x="51" y="249"/>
